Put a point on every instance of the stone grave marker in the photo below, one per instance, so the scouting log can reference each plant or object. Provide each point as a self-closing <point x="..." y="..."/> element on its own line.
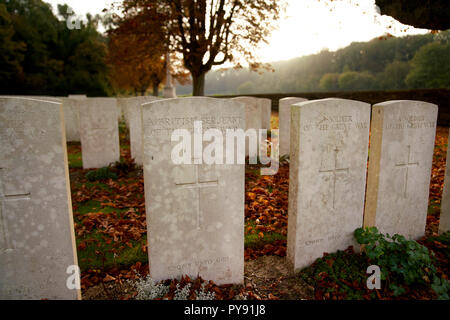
<point x="42" y="98"/>
<point x="253" y="118"/>
<point x="70" y="114"/>
<point x="195" y="212"/>
<point x="253" y="112"/>
<point x="134" y="116"/>
<point x="99" y="132"/>
<point x="37" y="242"/>
<point x="77" y="96"/>
<point x="266" y="110"/>
<point x="284" y="116"/>
<point x="71" y="119"/>
<point x="401" y="155"/>
<point x="45" y="98"/>
<point x="329" y="148"/>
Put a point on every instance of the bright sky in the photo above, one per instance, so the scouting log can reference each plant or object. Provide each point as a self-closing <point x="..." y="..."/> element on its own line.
<point x="307" y="27"/>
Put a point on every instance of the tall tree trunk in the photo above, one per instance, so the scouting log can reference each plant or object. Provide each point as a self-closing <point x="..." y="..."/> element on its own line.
<point x="199" y="84"/>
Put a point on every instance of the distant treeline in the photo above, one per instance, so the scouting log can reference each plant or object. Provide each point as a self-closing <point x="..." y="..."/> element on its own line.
<point x="386" y="63"/>
<point x="40" y="55"/>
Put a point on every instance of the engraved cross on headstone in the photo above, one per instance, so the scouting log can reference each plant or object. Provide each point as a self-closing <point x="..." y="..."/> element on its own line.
<point x="5" y="243"/>
<point x="197" y="184"/>
<point x="335" y="170"/>
<point x="407" y="165"/>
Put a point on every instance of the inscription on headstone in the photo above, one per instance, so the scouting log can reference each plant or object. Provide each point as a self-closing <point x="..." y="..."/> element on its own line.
<point x="195" y="212"/>
<point x="327" y="176"/>
<point x="401" y="153"/>
<point x="134" y="116"/>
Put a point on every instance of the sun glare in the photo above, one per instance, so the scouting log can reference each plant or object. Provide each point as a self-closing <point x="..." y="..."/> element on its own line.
<point x="309" y="26"/>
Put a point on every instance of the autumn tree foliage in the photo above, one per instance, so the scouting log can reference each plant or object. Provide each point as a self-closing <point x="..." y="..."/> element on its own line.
<point x="137" y="48"/>
<point x="207" y="33"/>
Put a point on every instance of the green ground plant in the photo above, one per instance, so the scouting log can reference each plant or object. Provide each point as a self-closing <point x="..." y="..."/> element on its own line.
<point x="104" y="173"/>
<point x="402" y="262"/>
<point x="254" y="241"/>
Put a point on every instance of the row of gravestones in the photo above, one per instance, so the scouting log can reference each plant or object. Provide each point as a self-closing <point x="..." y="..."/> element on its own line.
<point x="92" y="121"/>
<point x="196" y="212"/>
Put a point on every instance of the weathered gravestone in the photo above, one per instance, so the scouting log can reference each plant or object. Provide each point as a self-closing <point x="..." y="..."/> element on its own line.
<point x="195" y="212"/>
<point x="266" y="110"/>
<point x="401" y="154"/>
<point x="329" y="147"/>
<point x="77" y="96"/>
<point x="444" y="221"/>
<point x="99" y="132"/>
<point x="37" y="242"/>
<point x="70" y="114"/>
<point x="284" y="116"/>
<point x="71" y="120"/>
<point x="253" y="112"/>
<point x="42" y="98"/>
<point x="134" y="115"/>
<point x="253" y="121"/>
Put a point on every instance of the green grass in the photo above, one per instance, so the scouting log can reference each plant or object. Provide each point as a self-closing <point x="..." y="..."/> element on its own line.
<point x="90" y="185"/>
<point x="98" y="254"/>
<point x="253" y="240"/>
<point x="75" y="160"/>
<point x="434" y="207"/>
<point x="95" y="206"/>
<point x="104" y="173"/>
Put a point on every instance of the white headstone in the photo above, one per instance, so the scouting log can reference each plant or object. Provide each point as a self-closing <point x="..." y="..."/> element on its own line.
<point x="329" y="147"/>
<point x="45" y="98"/>
<point x="77" y="96"/>
<point x="253" y="112"/>
<point x="71" y="119"/>
<point x="253" y="118"/>
<point x="401" y="155"/>
<point x="195" y="213"/>
<point x="42" y="98"/>
<point x="284" y="120"/>
<point x="266" y="106"/>
<point x="37" y="242"/>
<point x="134" y="115"/>
<point x="99" y="132"/>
